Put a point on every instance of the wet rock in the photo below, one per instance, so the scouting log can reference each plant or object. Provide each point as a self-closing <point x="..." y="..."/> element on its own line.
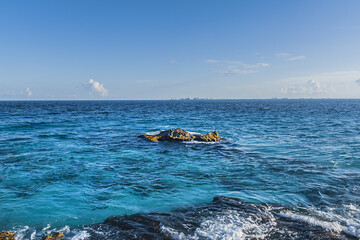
<point x="7" y="235"/>
<point x="210" y="137"/>
<point x="180" y="135"/>
<point x="55" y="236"/>
<point x="154" y="138"/>
<point x="177" y="134"/>
<point x="225" y="217"/>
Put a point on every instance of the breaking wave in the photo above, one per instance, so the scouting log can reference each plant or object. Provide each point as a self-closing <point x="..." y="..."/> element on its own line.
<point x="223" y="218"/>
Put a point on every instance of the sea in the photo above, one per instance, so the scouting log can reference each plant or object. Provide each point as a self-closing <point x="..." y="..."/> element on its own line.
<point x="284" y="169"/>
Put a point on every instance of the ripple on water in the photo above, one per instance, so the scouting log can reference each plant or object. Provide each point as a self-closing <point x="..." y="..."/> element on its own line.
<point x="75" y="163"/>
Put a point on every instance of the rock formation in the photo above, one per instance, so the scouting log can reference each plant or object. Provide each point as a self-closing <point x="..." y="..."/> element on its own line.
<point x="180" y="135"/>
<point x="55" y="236"/>
<point x="7" y="235"/>
<point x="261" y="221"/>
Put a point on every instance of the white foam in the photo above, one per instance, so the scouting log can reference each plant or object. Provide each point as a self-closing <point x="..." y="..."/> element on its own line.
<point x="332" y="226"/>
<point x="33" y="235"/>
<point x="46" y="228"/>
<point x="65" y="229"/>
<point x="199" y="142"/>
<point x="21" y="232"/>
<point x="236" y="229"/>
<point x="81" y="235"/>
<point x="153" y="133"/>
<point x="350" y="220"/>
<point x="173" y="233"/>
<point x="94" y="230"/>
<point x="333" y="222"/>
<point x="25" y="232"/>
<point x="231" y="225"/>
<point x="228" y="226"/>
<point x="194" y="133"/>
<point x="353" y="208"/>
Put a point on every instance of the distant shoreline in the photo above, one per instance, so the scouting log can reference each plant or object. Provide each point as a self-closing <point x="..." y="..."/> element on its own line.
<point x="174" y="100"/>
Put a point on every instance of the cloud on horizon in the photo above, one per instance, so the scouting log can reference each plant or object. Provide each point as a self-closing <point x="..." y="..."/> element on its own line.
<point x="311" y="87"/>
<point x="97" y="88"/>
<point x="17" y="94"/>
<point x="357" y="81"/>
<point x="28" y="92"/>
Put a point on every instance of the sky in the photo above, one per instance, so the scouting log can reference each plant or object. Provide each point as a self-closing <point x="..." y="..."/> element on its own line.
<point x="129" y="50"/>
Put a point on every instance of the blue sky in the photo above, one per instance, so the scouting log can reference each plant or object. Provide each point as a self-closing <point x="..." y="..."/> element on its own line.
<point x="172" y="49"/>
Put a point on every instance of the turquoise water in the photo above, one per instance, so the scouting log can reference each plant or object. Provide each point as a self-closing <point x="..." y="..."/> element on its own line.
<point x="70" y="163"/>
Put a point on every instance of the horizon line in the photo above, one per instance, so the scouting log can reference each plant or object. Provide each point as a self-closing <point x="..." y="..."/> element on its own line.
<point x="181" y="99"/>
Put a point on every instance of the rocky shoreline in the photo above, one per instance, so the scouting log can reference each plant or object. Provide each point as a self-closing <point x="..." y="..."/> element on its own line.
<point x="222" y="218"/>
<point x="8" y="235"/>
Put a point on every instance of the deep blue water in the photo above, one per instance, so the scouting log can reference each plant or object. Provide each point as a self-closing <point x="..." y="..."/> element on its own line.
<point x="64" y="164"/>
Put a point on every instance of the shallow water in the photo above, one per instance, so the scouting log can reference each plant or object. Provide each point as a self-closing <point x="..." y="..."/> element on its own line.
<point x="73" y="163"/>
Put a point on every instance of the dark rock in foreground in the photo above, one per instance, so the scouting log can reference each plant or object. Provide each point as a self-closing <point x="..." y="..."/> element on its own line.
<point x="223" y="218"/>
<point x="180" y="135"/>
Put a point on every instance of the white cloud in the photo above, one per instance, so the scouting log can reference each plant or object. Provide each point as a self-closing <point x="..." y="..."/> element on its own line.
<point x="234" y="71"/>
<point x="340" y="84"/>
<point x="28" y="92"/>
<point x="340" y="77"/>
<point x="257" y="65"/>
<point x="311" y="87"/>
<point x="17" y="94"/>
<point x="97" y="88"/>
<point x="229" y="67"/>
<point x="211" y="61"/>
<point x="289" y="57"/>
<point x="283" y="54"/>
<point x="296" y="58"/>
<point x="245" y="65"/>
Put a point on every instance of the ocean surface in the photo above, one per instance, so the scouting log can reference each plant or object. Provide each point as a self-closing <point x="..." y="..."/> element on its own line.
<point x="285" y="169"/>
